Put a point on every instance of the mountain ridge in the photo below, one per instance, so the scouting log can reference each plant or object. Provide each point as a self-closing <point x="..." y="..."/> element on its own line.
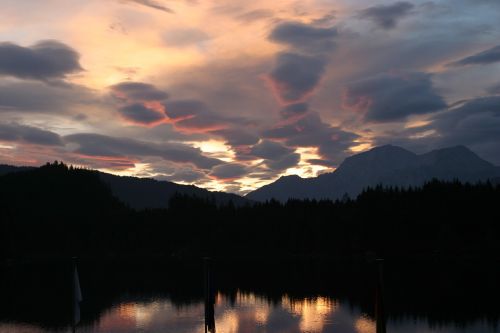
<point x="387" y="165"/>
<point x="147" y="193"/>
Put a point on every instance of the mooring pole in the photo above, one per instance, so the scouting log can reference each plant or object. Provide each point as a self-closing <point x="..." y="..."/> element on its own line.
<point x="379" y="298"/>
<point x="209" y="297"/>
<point x="206" y="280"/>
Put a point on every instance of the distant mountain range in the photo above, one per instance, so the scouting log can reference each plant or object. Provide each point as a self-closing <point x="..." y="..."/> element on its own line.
<point x="145" y="193"/>
<point x="386" y="165"/>
<point x="141" y="193"/>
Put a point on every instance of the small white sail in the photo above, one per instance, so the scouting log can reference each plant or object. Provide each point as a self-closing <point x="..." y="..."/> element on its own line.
<point x="77" y="296"/>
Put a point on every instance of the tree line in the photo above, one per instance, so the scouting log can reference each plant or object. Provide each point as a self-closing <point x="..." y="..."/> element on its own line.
<point x="61" y="211"/>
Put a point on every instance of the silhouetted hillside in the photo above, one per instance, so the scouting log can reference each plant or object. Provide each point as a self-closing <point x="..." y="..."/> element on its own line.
<point x="59" y="211"/>
<point x="146" y="193"/>
<point x="5" y="169"/>
<point x="386" y="165"/>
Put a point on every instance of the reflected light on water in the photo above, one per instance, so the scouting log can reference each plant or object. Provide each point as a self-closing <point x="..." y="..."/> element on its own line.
<point x="248" y="312"/>
<point x="228" y="322"/>
<point x="242" y="313"/>
<point x="313" y="312"/>
<point x="365" y="325"/>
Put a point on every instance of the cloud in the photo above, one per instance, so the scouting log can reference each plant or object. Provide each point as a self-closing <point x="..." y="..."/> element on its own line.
<point x="475" y="124"/>
<point x="45" y="60"/>
<point x="228" y="171"/>
<point x="489" y="56"/>
<point x="142" y="115"/>
<point x="294" y="110"/>
<point x="237" y="136"/>
<point x="298" y="71"/>
<point x="138" y="91"/>
<point x="304" y="37"/>
<point x="310" y="131"/>
<point x="276" y="156"/>
<point x="255" y="15"/>
<point x="494" y="90"/>
<point x="28" y="134"/>
<point x="36" y="97"/>
<point x="193" y="116"/>
<point x="283" y="163"/>
<point x="185" y="37"/>
<point x="270" y="150"/>
<point x="151" y="4"/>
<point x="387" y="16"/>
<point x="184" y="175"/>
<point x="295" y="76"/>
<point x="140" y="103"/>
<point x="393" y="96"/>
<point x="96" y="146"/>
<point x="476" y="121"/>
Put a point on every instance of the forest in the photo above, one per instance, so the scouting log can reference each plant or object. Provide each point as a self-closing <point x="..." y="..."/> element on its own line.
<point x="58" y="211"/>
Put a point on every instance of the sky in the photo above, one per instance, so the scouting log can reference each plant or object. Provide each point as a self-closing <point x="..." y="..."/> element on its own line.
<point x="230" y="95"/>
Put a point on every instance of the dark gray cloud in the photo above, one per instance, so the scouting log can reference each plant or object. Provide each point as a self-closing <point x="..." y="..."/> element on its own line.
<point x="393" y="96"/>
<point x="310" y="131"/>
<point x="140" y="114"/>
<point x="300" y="36"/>
<point x="276" y="155"/>
<point x="476" y="121"/>
<point x="387" y="16"/>
<point x="28" y="134"/>
<point x="228" y="171"/>
<point x="283" y="163"/>
<point x="185" y="37"/>
<point x="138" y="91"/>
<point x="489" y="56"/>
<point x="295" y="76"/>
<point x="45" y="60"/>
<point x="140" y="102"/>
<point x="37" y="97"/>
<point x="193" y="116"/>
<point x="151" y="4"/>
<point x="98" y="146"/>
<point x="270" y="150"/>
<point x="237" y="136"/>
<point x="494" y="89"/>
<point x="184" y="175"/>
<point x="475" y="124"/>
<point x="294" y="110"/>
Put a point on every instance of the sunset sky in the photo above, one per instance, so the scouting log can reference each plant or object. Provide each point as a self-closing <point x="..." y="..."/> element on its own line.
<point x="232" y="94"/>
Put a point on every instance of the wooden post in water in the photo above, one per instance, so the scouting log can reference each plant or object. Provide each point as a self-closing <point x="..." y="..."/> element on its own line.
<point x="379" y="298"/>
<point x="209" y="297"/>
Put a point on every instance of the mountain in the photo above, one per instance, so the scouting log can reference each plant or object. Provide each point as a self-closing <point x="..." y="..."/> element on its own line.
<point x="5" y="169"/>
<point x="145" y="193"/>
<point x="387" y="165"/>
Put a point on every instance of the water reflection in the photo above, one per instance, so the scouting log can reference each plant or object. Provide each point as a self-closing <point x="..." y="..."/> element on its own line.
<point x="162" y="300"/>
<point x="250" y="313"/>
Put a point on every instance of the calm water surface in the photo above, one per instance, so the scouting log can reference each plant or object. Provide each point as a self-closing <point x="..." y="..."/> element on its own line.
<point x="165" y="307"/>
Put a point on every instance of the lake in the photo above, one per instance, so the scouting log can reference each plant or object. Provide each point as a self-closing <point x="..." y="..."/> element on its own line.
<point x="251" y="296"/>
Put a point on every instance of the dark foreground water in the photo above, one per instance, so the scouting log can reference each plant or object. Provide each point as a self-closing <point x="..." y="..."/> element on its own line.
<point x="273" y="297"/>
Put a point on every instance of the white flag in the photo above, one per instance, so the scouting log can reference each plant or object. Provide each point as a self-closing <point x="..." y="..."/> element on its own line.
<point x="77" y="296"/>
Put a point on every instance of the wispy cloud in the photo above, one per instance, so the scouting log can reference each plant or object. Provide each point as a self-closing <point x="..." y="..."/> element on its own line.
<point x="151" y="4"/>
